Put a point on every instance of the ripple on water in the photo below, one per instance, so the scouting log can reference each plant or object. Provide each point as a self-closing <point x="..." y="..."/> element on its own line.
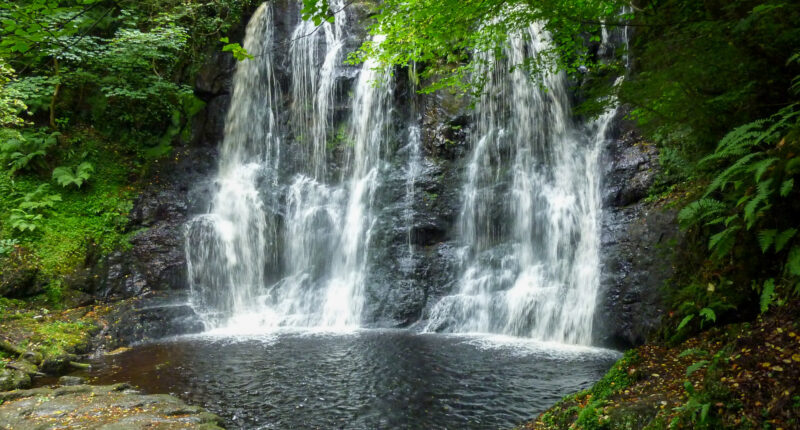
<point x="364" y="379"/>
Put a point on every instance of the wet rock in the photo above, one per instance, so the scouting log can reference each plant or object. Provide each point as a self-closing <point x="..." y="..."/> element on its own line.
<point x="637" y="242"/>
<point x="99" y="407"/>
<point x="66" y="381"/>
<point x="445" y="118"/>
<point x="57" y="364"/>
<point x="157" y="316"/>
<point x="23" y="366"/>
<point x="32" y="356"/>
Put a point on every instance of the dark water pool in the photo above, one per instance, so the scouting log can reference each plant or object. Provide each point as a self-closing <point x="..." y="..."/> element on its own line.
<point x="363" y="380"/>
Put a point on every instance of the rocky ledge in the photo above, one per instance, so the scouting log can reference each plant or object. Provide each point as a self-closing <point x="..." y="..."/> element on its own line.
<point x="99" y="407"/>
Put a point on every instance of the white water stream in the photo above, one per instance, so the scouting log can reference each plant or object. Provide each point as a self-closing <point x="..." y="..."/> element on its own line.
<point x="529" y="221"/>
<point x="249" y="272"/>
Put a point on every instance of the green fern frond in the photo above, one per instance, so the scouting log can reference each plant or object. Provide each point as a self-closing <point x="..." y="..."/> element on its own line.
<point x="783" y="238"/>
<point x="758" y="204"/>
<point x="722" y="243"/>
<point x="766" y="238"/>
<point x="740" y="167"/>
<point x="793" y="261"/>
<point x="700" y="211"/>
<point x="786" y="187"/>
<point x="767" y="295"/>
<point x="761" y="167"/>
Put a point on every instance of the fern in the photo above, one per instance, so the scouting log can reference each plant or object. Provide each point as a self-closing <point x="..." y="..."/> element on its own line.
<point x="767" y="294"/>
<point x="66" y="176"/>
<point x="20" y="151"/>
<point x="786" y="187"/>
<point x="793" y="261"/>
<point x="721" y="244"/>
<point x="694" y="367"/>
<point x="761" y="167"/>
<point x="766" y="238"/>
<point x="759" y="203"/>
<point x="783" y="238"/>
<point x="38" y="199"/>
<point x="700" y="211"/>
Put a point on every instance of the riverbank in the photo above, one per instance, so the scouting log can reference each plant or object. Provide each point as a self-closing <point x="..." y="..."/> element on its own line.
<point x="116" y="406"/>
<point x="39" y="342"/>
<point x="741" y="376"/>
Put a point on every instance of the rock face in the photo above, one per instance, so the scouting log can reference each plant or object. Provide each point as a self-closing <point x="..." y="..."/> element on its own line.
<point x="99" y="407"/>
<point x="155" y="316"/>
<point x="638" y="237"/>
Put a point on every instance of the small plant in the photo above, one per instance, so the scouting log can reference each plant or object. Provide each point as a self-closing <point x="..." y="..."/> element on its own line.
<point x="239" y="53"/>
<point x="66" y="176"/>
<point x="26" y="149"/>
<point x="29" y="212"/>
<point x="697" y="410"/>
<point x="7" y="245"/>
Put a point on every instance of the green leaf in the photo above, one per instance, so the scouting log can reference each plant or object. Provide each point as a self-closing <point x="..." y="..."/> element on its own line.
<point x="66" y="176"/>
<point x="783" y="238"/>
<point x="696" y="366"/>
<point x="767" y="294"/>
<point x="692" y="351"/>
<point x="685" y="321"/>
<point x="704" y="412"/>
<point x="786" y="187"/>
<point x="766" y="239"/>
<point x="722" y="243"/>
<point x="793" y="261"/>
<point x="708" y="314"/>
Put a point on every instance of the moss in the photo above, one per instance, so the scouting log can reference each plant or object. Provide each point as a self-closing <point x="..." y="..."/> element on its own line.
<point x="618" y="378"/>
<point x="59" y="338"/>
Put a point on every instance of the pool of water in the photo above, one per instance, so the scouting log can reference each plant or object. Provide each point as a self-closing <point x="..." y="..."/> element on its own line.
<point x="371" y="379"/>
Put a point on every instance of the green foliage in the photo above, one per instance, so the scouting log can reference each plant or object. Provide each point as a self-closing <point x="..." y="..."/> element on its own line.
<point x="727" y="66"/>
<point x="7" y="245"/>
<point x="11" y="103"/>
<point x="115" y="78"/>
<point x="317" y="11"/>
<point x="66" y="176"/>
<point x="751" y="199"/>
<point x="239" y="53"/>
<point x="31" y="208"/>
<point x="25" y="150"/>
<point x="697" y="411"/>
<point x="767" y="295"/>
<point x="442" y="37"/>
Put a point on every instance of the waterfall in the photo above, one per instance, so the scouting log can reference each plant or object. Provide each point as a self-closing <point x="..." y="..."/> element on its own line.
<point x="529" y="221"/>
<point x="229" y="249"/>
<point x="285" y="242"/>
<point x="288" y="235"/>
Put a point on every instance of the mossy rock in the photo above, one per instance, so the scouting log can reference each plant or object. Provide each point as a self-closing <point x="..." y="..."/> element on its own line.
<point x="19" y="273"/>
<point x="12" y="379"/>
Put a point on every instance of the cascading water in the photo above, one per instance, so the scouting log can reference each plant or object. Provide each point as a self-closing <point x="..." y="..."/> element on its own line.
<point x="286" y="243"/>
<point x="531" y="209"/>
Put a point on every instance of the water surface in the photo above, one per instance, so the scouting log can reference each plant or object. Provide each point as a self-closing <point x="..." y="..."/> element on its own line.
<point x="370" y="379"/>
